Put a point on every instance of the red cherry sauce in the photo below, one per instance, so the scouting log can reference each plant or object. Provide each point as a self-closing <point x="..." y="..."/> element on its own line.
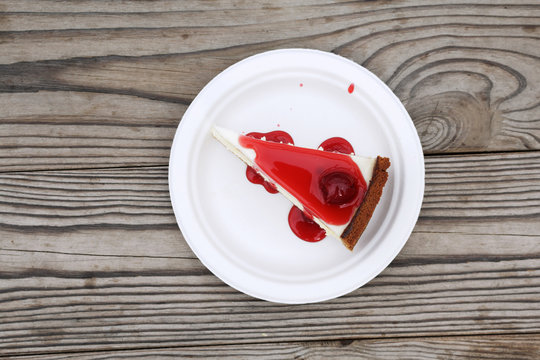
<point x="275" y="136"/>
<point x="328" y="184"/>
<point x="304" y="227"/>
<point x="351" y="88"/>
<point x="337" y="144"/>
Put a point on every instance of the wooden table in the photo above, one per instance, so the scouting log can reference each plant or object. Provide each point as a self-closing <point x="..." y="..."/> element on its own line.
<point x="92" y="263"/>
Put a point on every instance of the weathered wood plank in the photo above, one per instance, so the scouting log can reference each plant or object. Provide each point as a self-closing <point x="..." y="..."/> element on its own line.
<point x="92" y="260"/>
<point x="78" y="130"/>
<point x="143" y="5"/>
<point x="467" y="73"/>
<point x="520" y="347"/>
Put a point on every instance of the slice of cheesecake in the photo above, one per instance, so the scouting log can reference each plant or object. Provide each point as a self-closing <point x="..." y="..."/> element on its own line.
<point x="338" y="191"/>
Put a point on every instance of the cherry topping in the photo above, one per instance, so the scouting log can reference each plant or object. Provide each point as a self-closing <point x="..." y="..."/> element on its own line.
<point x="304" y="227"/>
<point x="338" y="187"/>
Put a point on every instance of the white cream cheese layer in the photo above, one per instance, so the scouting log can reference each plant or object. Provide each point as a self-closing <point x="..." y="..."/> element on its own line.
<point x="230" y="140"/>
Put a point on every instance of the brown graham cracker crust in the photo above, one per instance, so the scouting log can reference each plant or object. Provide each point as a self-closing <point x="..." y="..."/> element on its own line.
<point x="358" y="224"/>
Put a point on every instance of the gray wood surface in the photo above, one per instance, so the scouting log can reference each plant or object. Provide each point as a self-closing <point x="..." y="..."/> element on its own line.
<point x="92" y="259"/>
<point x="525" y="347"/>
<point x="86" y="85"/>
<point x="92" y="264"/>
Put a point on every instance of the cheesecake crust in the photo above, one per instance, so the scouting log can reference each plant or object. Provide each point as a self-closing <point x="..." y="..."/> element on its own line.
<point x="361" y="218"/>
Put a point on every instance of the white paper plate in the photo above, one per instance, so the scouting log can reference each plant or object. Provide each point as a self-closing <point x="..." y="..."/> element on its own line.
<point x="238" y="230"/>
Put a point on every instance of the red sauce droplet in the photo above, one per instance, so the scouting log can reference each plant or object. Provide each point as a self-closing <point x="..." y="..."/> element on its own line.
<point x="275" y="136"/>
<point x="303" y="227"/>
<point x="337" y="144"/>
<point x="351" y="88"/>
<point x="328" y="184"/>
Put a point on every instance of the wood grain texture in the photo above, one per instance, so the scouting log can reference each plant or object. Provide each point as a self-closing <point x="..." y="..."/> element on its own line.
<point x="83" y="130"/>
<point x="93" y="260"/>
<point x="93" y="264"/>
<point x="85" y="85"/>
<point x="523" y="347"/>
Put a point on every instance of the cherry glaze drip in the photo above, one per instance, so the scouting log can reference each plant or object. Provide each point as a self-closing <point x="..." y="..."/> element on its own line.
<point x="275" y="136"/>
<point x="255" y="178"/>
<point x="337" y="144"/>
<point x="303" y="227"/>
<point x="351" y="88"/>
<point x="329" y="184"/>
